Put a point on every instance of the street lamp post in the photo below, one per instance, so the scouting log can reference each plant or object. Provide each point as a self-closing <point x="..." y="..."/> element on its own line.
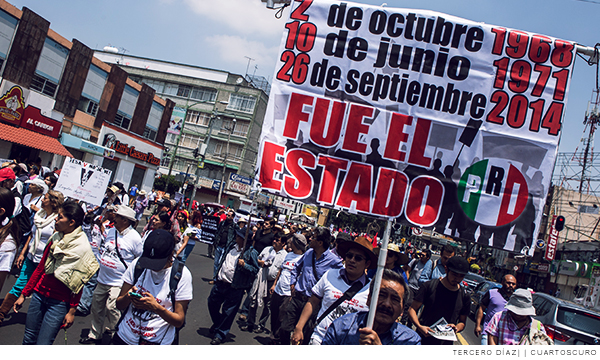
<point x="225" y="162"/>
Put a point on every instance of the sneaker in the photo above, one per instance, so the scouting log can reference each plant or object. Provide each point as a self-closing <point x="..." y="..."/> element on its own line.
<point x="88" y="340"/>
<point x="243" y="317"/>
<point x="259" y="330"/>
<point x="216" y="341"/>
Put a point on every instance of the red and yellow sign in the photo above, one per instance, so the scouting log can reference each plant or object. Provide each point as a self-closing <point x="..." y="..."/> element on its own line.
<point x="12" y="106"/>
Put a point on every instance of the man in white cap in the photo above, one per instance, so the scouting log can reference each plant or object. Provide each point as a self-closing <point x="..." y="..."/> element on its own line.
<point x="511" y="325"/>
<point x="123" y="244"/>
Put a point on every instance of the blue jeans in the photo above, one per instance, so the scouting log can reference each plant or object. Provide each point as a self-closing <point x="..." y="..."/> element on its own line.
<point x="85" y="303"/>
<point x="26" y="271"/>
<point x="186" y="252"/>
<point x="218" y="254"/>
<point x="223" y="303"/>
<point x="484" y="338"/>
<point x="44" y="318"/>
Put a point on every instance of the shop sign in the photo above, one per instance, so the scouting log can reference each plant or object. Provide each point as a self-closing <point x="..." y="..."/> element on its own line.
<point x="552" y="241"/>
<point x="12" y="106"/>
<point x="97" y="149"/>
<point x="239" y="178"/>
<point x="284" y="205"/>
<point x="216" y="185"/>
<point x="238" y="187"/>
<point x="35" y="121"/>
<point x="569" y="268"/>
<point x="543" y="268"/>
<point x="111" y="142"/>
<point x="205" y="182"/>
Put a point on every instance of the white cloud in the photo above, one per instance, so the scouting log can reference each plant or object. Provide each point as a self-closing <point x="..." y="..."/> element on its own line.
<point x="246" y="16"/>
<point x="234" y="49"/>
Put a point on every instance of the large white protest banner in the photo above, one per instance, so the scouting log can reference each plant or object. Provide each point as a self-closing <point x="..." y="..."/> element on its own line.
<point x="435" y="120"/>
<point x="83" y="181"/>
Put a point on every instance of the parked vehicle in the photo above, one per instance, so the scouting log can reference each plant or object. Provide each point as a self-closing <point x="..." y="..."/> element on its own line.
<point x="478" y="293"/>
<point x="471" y="281"/>
<point x="566" y="322"/>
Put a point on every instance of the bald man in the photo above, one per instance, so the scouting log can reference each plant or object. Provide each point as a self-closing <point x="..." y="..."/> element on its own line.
<point x="493" y="301"/>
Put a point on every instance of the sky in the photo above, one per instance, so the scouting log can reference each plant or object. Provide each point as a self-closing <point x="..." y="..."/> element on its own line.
<point x="236" y="35"/>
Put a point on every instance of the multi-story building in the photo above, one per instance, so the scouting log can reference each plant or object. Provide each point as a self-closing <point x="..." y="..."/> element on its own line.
<point x="58" y="100"/>
<point x="217" y="112"/>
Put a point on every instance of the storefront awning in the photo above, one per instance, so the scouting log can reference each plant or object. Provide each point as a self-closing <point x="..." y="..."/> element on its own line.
<point x="32" y="139"/>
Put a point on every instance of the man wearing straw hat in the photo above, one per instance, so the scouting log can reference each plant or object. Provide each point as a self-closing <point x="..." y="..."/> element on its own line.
<point x="510" y="326"/>
<point x="358" y="256"/>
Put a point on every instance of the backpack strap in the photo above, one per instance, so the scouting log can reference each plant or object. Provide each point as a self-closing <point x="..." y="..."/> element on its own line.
<point x="176" y="272"/>
<point x="348" y="294"/>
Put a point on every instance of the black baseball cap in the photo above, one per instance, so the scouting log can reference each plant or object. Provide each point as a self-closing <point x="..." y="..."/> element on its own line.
<point x="158" y="250"/>
<point x="458" y="265"/>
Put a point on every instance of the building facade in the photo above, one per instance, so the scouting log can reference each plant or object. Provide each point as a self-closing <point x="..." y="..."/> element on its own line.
<point x="58" y="100"/>
<point x="218" y="116"/>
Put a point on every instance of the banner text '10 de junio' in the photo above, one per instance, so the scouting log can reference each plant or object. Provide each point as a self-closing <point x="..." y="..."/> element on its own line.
<point x="435" y="120"/>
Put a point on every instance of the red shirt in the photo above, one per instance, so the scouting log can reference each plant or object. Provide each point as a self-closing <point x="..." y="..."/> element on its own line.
<point x="48" y="286"/>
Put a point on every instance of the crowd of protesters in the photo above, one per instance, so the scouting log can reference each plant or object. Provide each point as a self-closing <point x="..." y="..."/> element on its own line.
<point x="313" y="286"/>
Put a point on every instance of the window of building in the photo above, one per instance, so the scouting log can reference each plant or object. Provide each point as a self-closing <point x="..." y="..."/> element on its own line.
<point x="49" y="67"/>
<point x="93" y="88"/>
<point x="240" y="129"/>
<point x="81" y="132"/>
<point x="171" y="138"/>
<point x="149" y="133"/>
<point x="190" y="141"/>
<point x="8" y="24"/>
<point x="128" y="101"/>
<point x="122" y="120"/>
<point x="235" y="151"/>
<point x="184" y="91"/>
<point x="43" y="85"/>
<point x="171" y="89"/>
<point x="158" y="86"/>
<point x="204" y="94"/>
<point x="155" y="115"/>
<point x="88" y="106"/>
<point x="165" y="161"/>
<point x="198" y="118"/>
<point x="243" y="103"/>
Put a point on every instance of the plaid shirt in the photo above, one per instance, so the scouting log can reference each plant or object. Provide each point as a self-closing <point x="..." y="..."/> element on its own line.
<point x="505" y="329"/>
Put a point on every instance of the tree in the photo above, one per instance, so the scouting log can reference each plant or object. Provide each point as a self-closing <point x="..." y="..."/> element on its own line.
<point x="167" y="184"/>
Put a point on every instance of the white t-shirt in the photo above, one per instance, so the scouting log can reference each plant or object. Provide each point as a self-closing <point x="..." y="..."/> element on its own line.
<point x="111" y="267"/>
<point x="194" y="233"/>
<point x="28" y="200"/>
<point x="228" y="268"/>
<point x="8" y="250"/>
<point x="282" y="287"/>
<point x="95" y="237"/>
<point x="45" y="236"/>
<point x="146" y="324"/>
<point x="329" y="288"/>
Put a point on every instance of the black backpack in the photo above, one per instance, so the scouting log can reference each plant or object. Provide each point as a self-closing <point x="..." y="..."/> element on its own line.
<point x="176" y="272"/>
<point x="24" y="219"/>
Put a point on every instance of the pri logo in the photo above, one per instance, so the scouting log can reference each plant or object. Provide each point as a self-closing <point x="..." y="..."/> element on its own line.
<point x="493" y="192"/>
<point x="12" y="106"/>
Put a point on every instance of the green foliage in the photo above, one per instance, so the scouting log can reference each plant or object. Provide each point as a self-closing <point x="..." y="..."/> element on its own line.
<point x="167" y="184"/>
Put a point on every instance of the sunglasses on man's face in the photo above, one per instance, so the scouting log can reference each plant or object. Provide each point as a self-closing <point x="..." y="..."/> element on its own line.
<point x="359" y="258"/>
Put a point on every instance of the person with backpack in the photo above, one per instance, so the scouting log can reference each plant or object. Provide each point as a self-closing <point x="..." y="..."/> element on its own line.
<point x="443" y="298"/>
<point x="33" y="249"/>
<point x="155" y="295"/>
<point x="122" y="245"/>
<point x="515" y="325"/>
<point x="9" y="234"/>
